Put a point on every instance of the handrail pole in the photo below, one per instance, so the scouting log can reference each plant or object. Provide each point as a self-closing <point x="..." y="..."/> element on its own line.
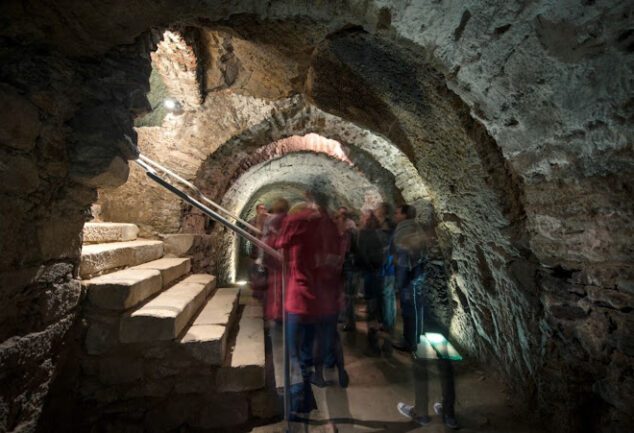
<point x="190" y="185"/>
<point x="215" y="216"/>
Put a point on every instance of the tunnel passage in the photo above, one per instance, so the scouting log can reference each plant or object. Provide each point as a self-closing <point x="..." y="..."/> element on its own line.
<point x="487" y="115"/>
<point x="345" y="188"/>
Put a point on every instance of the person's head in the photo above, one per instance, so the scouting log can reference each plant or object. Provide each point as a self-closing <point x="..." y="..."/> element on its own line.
<point x="404" y="212"/>
<point x="343" y="212"/>
<point x="280" y="205"/>
<point x="383" y="211"/>
<point x="260" y="208"/>
<point x="369" y="221"/>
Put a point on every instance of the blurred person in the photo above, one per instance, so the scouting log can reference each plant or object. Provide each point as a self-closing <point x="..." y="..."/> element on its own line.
<point x="270" y="232"/>
<point x="383" y="214"/>
<point x="409" y="245"/>
<point x="348" y="231"/>
<point x="346" y="217"/>
<point x="370" y="245"/>
<point x="418" y="412"/>
<point x="312" y="247"/>
<point x="258" y="274"/>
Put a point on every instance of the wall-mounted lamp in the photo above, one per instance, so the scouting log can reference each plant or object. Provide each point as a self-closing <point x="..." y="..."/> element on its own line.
<point x="171" y="105"/>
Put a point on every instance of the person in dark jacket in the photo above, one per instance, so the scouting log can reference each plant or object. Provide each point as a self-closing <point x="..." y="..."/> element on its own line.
<point x="383" y="214"/>
<point x="348" y="231"/>
<point x="370" y="245"/>
<point x="409" y="246"/>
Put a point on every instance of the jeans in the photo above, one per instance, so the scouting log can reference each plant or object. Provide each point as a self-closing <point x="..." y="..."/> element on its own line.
<point x="409" y="283"/>
<point x="349" y="294"/>
<point x="389" y="303"/>
<point x="373" y="288"/>
<point x="301" y="335"/>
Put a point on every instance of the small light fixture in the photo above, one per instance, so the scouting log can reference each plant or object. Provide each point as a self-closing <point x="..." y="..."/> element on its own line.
<point x="172" y="105"/>
<point x="241" y="283"/>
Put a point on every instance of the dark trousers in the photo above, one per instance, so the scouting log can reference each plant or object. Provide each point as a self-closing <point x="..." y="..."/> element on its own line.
<point x="409" y="283"/>
<point x="349" y="294"/>
<point x="421" y="385"/>
<point x="313" y="342"/>
<point x="373" y="290"/>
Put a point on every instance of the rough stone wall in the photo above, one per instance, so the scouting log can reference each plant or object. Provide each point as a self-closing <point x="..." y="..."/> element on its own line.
<point x="158" y="386"/>
<point x="551" y="83"/>
<point x="58" y="141"/>
<point x="177" y="61"/>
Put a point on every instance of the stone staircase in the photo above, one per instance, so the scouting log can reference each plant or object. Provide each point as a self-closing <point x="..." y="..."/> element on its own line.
<point x="165" y="350"/>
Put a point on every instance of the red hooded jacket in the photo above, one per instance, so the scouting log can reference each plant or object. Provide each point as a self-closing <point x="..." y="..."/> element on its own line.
<point x="313" y="252"/>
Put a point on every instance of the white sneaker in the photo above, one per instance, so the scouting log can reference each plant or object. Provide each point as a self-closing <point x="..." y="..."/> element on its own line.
<point x="408" y="411"/>
<point x="449" y="421"/>
<point x="438" y="408"/>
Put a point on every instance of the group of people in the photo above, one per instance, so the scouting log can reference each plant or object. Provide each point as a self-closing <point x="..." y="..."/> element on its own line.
<point x="389" y="256"/>
<point x="325" y="256"/>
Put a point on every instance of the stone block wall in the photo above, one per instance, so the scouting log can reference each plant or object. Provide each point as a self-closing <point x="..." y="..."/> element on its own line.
<point x="156" y="386"/>
<point x="58" y="142"/>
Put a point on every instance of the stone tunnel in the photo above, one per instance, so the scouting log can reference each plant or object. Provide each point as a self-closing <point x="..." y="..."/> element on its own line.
<point x="508" y="125"/>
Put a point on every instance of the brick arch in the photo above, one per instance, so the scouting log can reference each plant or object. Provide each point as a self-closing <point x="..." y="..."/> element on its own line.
<point x="302" y="127"/>
<point x="347" y="186"/>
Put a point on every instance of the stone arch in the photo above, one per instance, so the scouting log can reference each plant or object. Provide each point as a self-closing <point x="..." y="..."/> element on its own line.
<point x="348" y="186"/>
<point x="345" y="141"/>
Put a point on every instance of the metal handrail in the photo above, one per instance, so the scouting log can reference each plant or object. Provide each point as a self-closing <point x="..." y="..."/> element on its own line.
<point x="147" y="164"/>
<point x="194" y="188"/>
<point x="211" y="213"/>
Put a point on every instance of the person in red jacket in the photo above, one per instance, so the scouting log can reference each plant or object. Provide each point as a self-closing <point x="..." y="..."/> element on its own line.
<point x="312" y="247"/>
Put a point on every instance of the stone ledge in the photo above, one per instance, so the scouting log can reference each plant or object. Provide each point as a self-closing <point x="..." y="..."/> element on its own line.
<point x="109" y="232"/>
<point x="206" y="339"/>
<point x="123" y="289"/>
<point x="164" y="317"/>
<point x="97" y="258"/>
<point x="171" y="269"/>
<point x="245" y="370"/>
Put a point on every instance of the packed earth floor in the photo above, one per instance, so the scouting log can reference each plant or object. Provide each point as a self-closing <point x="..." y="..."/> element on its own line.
<point x="377" y="384"/>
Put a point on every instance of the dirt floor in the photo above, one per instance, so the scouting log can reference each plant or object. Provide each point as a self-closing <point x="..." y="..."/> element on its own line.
<point x="378" y="384"/>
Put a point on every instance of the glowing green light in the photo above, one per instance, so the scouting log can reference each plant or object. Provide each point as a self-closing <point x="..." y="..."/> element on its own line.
<point x="434" y="346"/>
<point x="435" y="338"/>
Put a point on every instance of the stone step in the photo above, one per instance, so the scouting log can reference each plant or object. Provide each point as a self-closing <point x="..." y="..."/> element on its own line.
<point x="109" y="232"/>
<point x="97" y="258"/>
<point x="244" y="369"/>
<point x="206" y="339"/>
<point x="171" y="269"/>
<point x="164" y="317"/>
<point x="123" y="289"/>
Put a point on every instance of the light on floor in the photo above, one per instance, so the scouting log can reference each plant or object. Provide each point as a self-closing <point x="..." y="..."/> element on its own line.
<point x="433" y="346"/>
<point x="435" y="338"/>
